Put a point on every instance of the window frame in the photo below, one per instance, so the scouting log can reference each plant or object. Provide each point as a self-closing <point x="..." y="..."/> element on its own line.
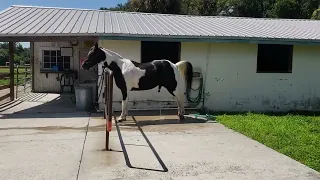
<point x="142" y="54"/>
<point x="57" y="61"/>
<point x="288" y="47"/>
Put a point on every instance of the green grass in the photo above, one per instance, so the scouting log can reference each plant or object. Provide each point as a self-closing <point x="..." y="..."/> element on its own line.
<point x="297" y="136"/>
<point x="6" y="70"/>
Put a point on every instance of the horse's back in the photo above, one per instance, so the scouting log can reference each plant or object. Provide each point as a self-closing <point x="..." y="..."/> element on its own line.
<point x="158" y="73"/>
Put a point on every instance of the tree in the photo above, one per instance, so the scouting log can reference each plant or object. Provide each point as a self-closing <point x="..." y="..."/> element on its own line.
<point x="208" y="7"/>
<point x="157" y="6"/>
<point x="245" y="8"/>
<point x="316" y="14"/>
<point x="4" y="56"/>
<point x="238" y="8"/>
<point x="119" y="7"/>
<point x="307" y="7"/>
<point x="287" y="9"/>
<point x="20" y="54"/>
<point x="150" y="6"/>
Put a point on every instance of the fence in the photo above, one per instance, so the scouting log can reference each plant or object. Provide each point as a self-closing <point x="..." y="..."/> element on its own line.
<point x="108" y="92"/>
<point x="22" y="79"/>
<point x="5" y="85"/>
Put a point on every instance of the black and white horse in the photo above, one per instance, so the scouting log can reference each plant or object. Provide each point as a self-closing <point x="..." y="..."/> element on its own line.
<point x="132" y="76"/>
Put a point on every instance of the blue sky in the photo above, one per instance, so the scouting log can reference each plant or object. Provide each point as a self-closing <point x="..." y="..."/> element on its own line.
<point x="85" y="4"/>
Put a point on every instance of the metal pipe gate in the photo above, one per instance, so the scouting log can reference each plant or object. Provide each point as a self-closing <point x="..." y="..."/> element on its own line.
<point x="108" y="93"/>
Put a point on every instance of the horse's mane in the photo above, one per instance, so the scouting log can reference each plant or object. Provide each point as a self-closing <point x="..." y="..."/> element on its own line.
<point x="112" y="52"/>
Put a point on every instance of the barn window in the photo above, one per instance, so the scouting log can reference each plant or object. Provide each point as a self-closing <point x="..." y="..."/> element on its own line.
<point x="53" y="58"/>
<point x="274" y="58"/>
<point x="155" y="50"/>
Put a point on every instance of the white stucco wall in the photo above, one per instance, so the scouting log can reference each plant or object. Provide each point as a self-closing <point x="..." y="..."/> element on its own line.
<point x="50" y="84"/>
<point x="42" y="82"/>
<point x="233" y="84"/>
<point x="231" y="81"/>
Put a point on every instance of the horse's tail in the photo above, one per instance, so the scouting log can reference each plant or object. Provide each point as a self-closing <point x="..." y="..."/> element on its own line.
<point x="186" y="69"/>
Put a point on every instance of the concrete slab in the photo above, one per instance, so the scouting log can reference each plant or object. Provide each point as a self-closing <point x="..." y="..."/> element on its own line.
<point x="41" y="148"/>
<point x="182" y="151"/>
<point x="41" y="103"/>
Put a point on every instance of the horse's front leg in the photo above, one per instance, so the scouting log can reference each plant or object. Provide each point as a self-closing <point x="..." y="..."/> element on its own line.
<point x="124" y="111"/>
<point x="124" y="106"/>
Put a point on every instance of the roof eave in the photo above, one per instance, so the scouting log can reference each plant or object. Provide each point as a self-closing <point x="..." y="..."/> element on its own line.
<point x="177" y="38"/>
<point x="212" y="39"/>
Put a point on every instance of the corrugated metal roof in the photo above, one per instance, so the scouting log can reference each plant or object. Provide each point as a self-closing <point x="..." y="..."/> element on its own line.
<point x="50" y="21"/>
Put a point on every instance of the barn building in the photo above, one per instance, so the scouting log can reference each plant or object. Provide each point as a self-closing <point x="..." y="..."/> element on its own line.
<point x="241" y="64"/>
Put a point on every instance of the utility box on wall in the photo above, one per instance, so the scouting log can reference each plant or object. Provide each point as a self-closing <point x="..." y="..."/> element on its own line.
<point x="66" y="51"/>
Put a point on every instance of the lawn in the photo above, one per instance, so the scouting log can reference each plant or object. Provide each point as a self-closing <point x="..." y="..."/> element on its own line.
<point x="297" y="136"/>
<point x="5" y="70"/>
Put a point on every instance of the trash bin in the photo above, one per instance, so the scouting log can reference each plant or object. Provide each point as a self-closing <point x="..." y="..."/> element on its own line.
<point x="93" y="84"/>
<point x="84" y="97"/>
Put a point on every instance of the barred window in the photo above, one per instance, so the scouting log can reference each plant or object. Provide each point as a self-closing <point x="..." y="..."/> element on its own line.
<point x="53" y="58"/>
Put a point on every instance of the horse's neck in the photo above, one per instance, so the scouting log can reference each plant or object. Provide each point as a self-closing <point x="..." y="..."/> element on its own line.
<point x="109" y="60"/>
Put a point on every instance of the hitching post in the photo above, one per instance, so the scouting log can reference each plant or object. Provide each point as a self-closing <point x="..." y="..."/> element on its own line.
<point x="108" y="93"/>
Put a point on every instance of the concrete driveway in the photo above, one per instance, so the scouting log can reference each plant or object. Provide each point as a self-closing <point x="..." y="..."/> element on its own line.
<point x="71" y="146"/>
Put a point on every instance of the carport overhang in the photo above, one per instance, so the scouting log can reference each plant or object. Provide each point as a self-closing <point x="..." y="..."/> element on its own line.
<point x="38" y="38"/>
<point x="46" y="38"/>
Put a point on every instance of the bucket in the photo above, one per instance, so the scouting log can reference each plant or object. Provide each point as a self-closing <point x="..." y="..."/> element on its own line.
<point x="84" y="99"/>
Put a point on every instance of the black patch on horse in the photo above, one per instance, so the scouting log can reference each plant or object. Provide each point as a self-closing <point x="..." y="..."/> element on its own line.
<point x="119" y="79"/>
<point x="158" y="73"/>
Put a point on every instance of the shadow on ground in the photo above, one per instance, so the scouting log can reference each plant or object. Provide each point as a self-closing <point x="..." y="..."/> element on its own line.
<point x="41" y="105"/>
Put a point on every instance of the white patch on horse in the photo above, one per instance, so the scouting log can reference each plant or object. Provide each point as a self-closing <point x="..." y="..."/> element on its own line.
<point x="132" y="74"/>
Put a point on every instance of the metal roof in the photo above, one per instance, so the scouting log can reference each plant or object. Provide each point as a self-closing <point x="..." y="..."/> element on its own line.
<point x="32" y="21"/>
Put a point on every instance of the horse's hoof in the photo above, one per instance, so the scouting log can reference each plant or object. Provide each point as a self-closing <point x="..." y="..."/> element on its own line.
<point x="121" y="119"/>
<point x="181" y="118"/>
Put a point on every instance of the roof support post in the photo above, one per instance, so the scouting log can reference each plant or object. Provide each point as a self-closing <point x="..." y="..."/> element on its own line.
<point x="11" y="62"/>
<point x="32" y="64"/>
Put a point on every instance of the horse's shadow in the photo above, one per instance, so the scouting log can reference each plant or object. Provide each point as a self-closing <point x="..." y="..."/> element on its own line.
<point x="139" y="124"/>
<point x="125" y="153"/>
<point x="165" y="121"/>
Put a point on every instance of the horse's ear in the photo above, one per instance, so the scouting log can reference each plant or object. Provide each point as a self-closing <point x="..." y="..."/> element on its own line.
<point x="96" y="45"/>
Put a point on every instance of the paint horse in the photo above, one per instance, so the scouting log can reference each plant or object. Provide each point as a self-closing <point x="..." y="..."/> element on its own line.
<point x="132" y="76"/>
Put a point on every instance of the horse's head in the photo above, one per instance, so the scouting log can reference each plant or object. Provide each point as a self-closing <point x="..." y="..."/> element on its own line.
<point x="95" y="56"/>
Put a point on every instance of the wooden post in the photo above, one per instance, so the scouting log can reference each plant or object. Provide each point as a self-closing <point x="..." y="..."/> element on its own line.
<point x="11" y="62"/>
<point x="32" y="65"/>
<point x="25" y="79"/>
<point x="108" y="93"/>
<point x="17" y="85"/>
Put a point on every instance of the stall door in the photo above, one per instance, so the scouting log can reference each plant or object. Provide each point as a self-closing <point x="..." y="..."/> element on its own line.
<point x="86" y="75"/>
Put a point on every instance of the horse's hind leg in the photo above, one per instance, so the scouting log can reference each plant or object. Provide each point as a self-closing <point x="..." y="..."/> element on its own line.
<point x="180" y="102"/>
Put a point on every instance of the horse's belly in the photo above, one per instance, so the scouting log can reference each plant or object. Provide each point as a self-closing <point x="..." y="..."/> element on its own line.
<point x="146" y="83"/>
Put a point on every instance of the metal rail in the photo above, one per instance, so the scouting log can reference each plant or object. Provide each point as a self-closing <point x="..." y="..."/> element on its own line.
<point x="23" y="81"/>
<point x="108" y="93"/>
